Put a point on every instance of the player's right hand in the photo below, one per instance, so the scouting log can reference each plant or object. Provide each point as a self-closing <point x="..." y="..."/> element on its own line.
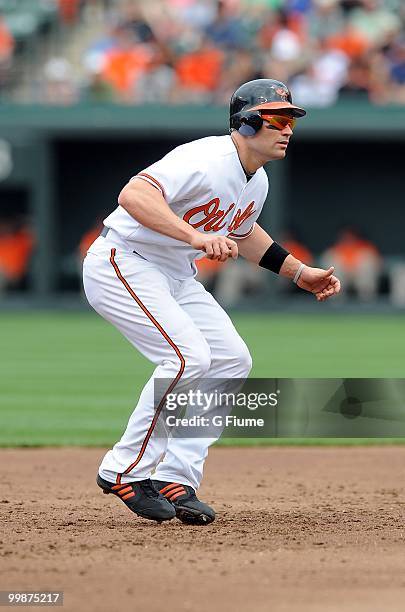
<point x="216" y="247"/>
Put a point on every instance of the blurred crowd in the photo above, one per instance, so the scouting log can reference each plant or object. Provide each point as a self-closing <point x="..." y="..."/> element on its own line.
<point x="364" y="272"/>
<point x="357" y="262"/>
<point x="185" y="51"/>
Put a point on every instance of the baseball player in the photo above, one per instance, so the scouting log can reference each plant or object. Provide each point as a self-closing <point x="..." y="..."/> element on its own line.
<point x="201" y="200"/>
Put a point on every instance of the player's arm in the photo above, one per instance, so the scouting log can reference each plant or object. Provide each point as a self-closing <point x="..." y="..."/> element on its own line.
<point x="320" y="282"/>
<point x="147" y="205"/>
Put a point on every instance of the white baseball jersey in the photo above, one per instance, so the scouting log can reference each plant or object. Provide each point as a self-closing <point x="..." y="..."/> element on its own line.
<point x="142" y="282"/>
<point x="203" y="182"/>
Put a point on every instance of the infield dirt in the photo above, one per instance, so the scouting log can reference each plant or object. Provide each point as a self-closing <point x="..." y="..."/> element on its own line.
<point x="319" y="529"/>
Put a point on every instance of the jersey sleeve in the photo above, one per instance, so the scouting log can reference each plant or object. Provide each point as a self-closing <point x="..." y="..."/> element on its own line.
<point x="246" y="226"/>
<point x="177" y="177"/>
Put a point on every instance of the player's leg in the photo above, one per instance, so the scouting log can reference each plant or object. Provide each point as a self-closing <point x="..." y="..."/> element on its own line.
<point x="230" y="359"/>
<point x="138" y="299"/>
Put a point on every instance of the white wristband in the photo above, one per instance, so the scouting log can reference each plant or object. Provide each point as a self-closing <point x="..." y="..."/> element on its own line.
<point x="298" y="273"/>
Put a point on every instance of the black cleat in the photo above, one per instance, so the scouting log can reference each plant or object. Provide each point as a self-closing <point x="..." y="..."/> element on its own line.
<point x="140" y="497"/>
<point x="189" y="509"/>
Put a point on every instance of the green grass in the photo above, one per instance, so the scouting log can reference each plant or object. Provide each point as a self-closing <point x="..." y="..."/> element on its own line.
<point x="71" y="379"/>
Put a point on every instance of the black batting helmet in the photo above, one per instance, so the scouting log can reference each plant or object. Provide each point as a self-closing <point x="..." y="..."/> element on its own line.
<point x="255" y="96"/>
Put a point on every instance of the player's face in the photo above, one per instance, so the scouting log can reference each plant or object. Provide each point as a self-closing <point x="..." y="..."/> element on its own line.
<point x="273" y="138"/>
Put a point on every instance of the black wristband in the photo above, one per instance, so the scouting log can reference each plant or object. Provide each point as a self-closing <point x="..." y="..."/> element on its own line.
<point x="274" y="258"/>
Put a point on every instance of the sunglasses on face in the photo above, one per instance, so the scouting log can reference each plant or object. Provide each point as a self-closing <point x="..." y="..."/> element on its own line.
<point x="278" y="122"/>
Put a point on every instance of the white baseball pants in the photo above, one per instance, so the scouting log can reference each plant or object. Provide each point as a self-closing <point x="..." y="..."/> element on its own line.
<point x="178" y="326"/>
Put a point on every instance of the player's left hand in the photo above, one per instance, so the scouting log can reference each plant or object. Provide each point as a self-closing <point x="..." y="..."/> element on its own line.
<point x="322" y="283"/>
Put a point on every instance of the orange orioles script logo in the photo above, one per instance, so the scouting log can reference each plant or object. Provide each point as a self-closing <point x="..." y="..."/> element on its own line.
<point x="282" y="93"/>
<point x="211" y="218"/>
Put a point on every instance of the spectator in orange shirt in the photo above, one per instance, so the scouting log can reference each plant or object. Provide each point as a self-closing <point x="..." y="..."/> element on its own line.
<point x="200" y="70"/>
<point x="6" y="42"/>
<point x="125" y="62"/>
<point x="357" y="263"/>
<point x="292" y="244"/>
<point x="291" y="241"/>
<point x="350" y="41"/>
<point x="208" y="271"/>
<point x="89" y="237"/>
<point x="16" y="246"/>
<point x="6" y="49"/>
<point x="69" y="10"/>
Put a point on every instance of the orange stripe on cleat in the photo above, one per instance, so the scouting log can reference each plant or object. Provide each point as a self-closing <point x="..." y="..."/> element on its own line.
<point x="177" y="495"/>
<point x="170" y="493"/>
<point x="172" y="485"/>
<point x="126" y="490"/>
<point x="128" y="495"/>
<point x="118" y="486"/>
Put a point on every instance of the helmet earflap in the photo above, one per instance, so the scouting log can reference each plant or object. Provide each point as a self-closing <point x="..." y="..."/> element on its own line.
<point x="247" y="123"/>
<point x="252" y="97"/>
